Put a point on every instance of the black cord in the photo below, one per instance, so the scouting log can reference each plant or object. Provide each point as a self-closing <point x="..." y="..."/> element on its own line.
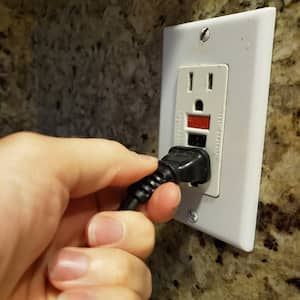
<point x="181" y="164"/>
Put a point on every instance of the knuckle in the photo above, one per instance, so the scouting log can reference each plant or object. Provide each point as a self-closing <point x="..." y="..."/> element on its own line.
<point x="24" y="147"/>
<point x="23" y="136"/>
<point x="117" y="146"/>
<point x="23" y="142"/>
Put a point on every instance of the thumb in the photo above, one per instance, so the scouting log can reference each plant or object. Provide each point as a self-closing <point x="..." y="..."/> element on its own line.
<point x="84" y="166"/>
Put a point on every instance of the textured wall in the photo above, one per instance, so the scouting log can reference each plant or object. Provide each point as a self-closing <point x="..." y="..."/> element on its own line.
<point x="92" y="68"/>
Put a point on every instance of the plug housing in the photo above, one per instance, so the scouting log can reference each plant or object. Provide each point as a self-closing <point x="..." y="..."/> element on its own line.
<point x="181" y="164"/>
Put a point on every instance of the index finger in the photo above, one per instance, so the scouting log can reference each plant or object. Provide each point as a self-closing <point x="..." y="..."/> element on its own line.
<point x="83" y="166"/>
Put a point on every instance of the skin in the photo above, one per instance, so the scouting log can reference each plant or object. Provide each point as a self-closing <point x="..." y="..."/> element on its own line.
<point x="61" y="237"/>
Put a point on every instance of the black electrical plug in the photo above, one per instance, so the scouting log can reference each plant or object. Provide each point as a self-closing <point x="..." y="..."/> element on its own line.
<point x="181" y="164"/>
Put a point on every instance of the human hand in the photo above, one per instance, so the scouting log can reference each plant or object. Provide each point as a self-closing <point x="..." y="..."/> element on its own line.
<point x="60" y="236"/>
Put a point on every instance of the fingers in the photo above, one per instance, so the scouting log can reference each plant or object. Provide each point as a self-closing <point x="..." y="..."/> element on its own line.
<point x="82" y="165"/>
<point x="160" y="208"/>
<point x="75" y="268"/>
<point x="96" y="293"/>
<point x="109" y="198"/>
<point x="126" y="230"/>
<point x="163" y="203"/>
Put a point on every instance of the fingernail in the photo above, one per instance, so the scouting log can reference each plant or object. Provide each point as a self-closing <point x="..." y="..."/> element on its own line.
<point x="104" y="230"/>
<point x="68" y="265"/>
<point x="76" y="296"/>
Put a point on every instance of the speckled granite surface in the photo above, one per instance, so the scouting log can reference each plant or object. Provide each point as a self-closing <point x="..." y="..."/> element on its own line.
<point x="92" y="68"/>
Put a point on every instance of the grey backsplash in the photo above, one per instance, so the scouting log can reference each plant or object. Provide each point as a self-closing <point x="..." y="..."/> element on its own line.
<point x="92" y="69"/>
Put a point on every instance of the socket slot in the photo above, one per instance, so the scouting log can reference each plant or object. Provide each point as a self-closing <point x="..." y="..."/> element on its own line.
<point x="210" y="81"/>
<point x="190" y="81"/>
<point x="199" y="105"/>
<point x="197" y="140"/>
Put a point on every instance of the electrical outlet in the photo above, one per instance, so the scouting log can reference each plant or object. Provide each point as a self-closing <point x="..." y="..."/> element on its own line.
<point x="215" y="85"/>
<point x="200" y="114"/>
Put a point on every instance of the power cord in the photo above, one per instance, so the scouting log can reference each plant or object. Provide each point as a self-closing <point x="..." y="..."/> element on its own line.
<point x="181" y="164"/>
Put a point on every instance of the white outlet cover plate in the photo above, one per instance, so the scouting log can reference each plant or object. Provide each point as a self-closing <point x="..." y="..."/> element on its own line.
<point x="244" y="42"/>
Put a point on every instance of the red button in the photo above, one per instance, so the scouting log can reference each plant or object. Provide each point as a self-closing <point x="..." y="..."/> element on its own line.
<point x="199" y="122"/>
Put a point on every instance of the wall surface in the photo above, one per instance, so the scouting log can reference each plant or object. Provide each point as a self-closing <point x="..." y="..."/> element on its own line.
<point x="92" y="68"/>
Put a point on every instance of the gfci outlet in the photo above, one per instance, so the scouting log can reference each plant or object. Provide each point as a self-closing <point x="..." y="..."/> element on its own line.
<point x="200" y="114"/>
<point x="215" y="86"/>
